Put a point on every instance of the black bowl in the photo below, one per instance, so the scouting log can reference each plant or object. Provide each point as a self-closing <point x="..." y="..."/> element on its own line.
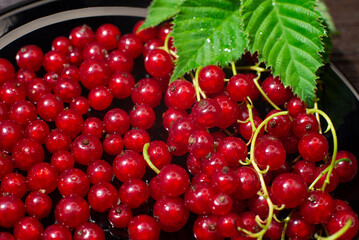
<point x="38" y="22"/>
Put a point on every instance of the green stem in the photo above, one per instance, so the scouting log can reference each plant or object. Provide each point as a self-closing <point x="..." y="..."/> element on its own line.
<point x="259" y="235"/>
<point x="335" y="143"/>
<point x="263" y="93"/>
<point x="234" y="70"/>
<point x="254" y="68"/>
<point x="147" y="158"/>
<point x="339" y="233"/>
<point x="167" y="39"/>
<point x="325" y="171"/>
<point x="196" y="85"/>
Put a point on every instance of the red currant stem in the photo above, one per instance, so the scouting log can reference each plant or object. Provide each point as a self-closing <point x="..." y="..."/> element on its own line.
<point x="234" y="70"/>
<point x="318" y="118"/>
<point x="264" y="189"/>
<point x="147" y="158"/>
<point x="199" y="92"/>
<point x="259" y="221"/>
<point x="281" y="207"/>
<point x="276" y="218"/>
<point x="246" y="162"/>
<point x="335" y="143"/>
<point x="286" y="220"/>
<point x="173" y="53"/>
<point x="339" y="233"/>
<point x="263" y="93"/>
<point x="254" y="68"/>
<point x="166" y="42"/>
<point x="250" y="113"/>
<point x="325" y="171"/>
<point x="317" y="179"/>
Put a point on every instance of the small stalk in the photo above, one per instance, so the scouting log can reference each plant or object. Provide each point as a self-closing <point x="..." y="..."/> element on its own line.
<point x="339" y="233"/>
<point x="335" y="143"/>
<point x="263" y="93"/>
<point x="268" y="220"/>
<point x="147" y="158"/>
<point x="234" y="70"/>
<point x="196" y="85"/>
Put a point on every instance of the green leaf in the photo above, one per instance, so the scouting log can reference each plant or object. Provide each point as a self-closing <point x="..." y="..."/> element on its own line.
<point x="288" y="36"/>
<point x="160" y="11"/>
<point x="207" y="32"/>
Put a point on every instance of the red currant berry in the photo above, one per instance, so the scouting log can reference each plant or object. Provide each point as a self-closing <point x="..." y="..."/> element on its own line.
<point x="120" y="216"/>
<point x="116" y="120"/>
<point x="339" y="219"/>
<point x="128" y="165"/>
<point x="94" y="73"/>
<point x="159" y="153"/>
<point x="38" y="205"/>
<point x="72" y="211"/>
<point x="304" y="123"/>
<point x="108" y="35"/>
<point x="67" y="90"/>
<point x="120" y="61"/>
<point x="7" y="71"/>
<point x="14" y="183"/>
<point x="22" y="112"/>
<point x="57" y="140"/>
<point x="233" y="149"/>
<point x="269" y="152"/>
<point x="206" y="112"/>
<point x="145" y="34"/>
<point x="49" y="106"/>
<point x="205" y="228"/>
<point x="102" y="196"/>
<point x="241" y="86"/>
<point x="276" y="91"/>
<point x="26" y="153"/>
<point x="317" y="207"/>
<point x="289" y="189"/>
<point x="42" y="176"/>
<point x="147" y="91"/>
<point x="86" y="149"/>
<point x="313" y="147"/>
<point x="211" y="79"/>
<point x="28" y="228"/>
<point x="200" y="144"/>
<point x="346" y="170"/>
<point x="93" y="126"/>
<point x="135" y="139"/>
<point x="12" y="209"/>
<point x="171" y="213"/>
<point x="158" y="63"/>
<point x="100" y="171"/>
<point x="89" y="231"/>
<point x="131" y="44"/>
<point x="73" y="181"/>
<point x="57" y="232"/>
<point x="113" y="144"/>
<point x="142" y="116"/>
<point x="229" y="111"/>
<point x="134" y="192"/>
<point x="197" y="198"/>
<point x="80" y="36"/>
<point x="143" y="227"/>
<point x="121" y="84"/>
<point x="100" y="98"/>
<point x="12" y="91"/>
<point x="80" y="104"/>
<point x="10" y="133"/>
<point x="62" y="160"/>
<point x="173" y="180"/>
<point x="54" y="61"/>
<point x="70" y="121"/>
<point x="29" y="57"/>
<point x="180" y="95"/>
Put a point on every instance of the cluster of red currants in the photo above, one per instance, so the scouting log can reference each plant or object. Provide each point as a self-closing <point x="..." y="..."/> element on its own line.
<point x="70" y="151"/>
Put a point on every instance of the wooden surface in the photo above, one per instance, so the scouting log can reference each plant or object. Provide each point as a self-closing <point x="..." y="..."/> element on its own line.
<point x="345" y="53"/>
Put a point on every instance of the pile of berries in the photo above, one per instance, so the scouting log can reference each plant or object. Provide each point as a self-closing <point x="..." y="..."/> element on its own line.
<point x="90" y="151"/>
